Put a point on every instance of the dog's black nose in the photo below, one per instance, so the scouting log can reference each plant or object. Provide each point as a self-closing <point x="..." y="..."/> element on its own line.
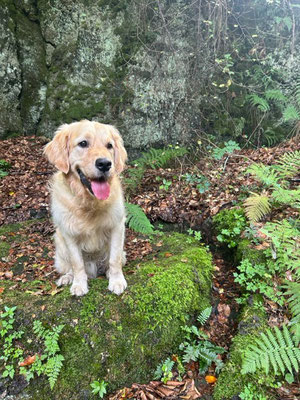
<point x="103" y="164"/>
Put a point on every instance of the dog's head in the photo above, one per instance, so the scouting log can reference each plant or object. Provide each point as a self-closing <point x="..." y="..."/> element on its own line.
<point x="93" y="152"/>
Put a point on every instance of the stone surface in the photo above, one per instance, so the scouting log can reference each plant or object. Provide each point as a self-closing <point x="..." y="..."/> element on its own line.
<point x="66" y="61"/>
<point x="119" y="339"/>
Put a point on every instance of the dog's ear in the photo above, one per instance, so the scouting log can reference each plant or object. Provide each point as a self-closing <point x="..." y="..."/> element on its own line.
<point x="57" y="151"/>
<point x="120" y="152"/>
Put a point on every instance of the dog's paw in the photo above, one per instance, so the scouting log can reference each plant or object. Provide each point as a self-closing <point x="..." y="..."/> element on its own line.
<point x="117" y="284"/>
<point x="64" y="280"/>
<point x="79" y="289"/>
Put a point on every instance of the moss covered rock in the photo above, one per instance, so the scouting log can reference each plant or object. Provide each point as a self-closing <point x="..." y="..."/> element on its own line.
<point x="118" y="339"/>
<point x="231" y="382"/>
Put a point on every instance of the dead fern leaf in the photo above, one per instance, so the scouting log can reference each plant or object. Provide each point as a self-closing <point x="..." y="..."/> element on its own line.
<point x="257" y="206"/>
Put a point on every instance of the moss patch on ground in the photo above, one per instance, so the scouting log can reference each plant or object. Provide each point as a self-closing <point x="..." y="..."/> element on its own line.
<point x="118" y="339"/>
<point x="231" y="382"/>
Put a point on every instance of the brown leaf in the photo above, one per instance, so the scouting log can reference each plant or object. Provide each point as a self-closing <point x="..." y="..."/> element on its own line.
<point x="28" y="361"/>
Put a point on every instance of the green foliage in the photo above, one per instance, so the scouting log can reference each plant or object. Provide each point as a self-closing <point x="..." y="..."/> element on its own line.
<point x="265" y="174"/>
<point x="293" y="291"/>
<point x="154" y="158"/>
<point x="164" y="370"/>
<point x="196" y="234"/>
<point x="99" y="388"/>
<point x="275" y="350"/>
<point x="229" y="226"/>
<point x="288" y="164"/>
<point x="137" y="219"/>
<point x="9" y="354"/>
<point x="256" y="207"/>
<point x="256" y="278"/>
<point x="4" y="167"/>
<point x="204" y="315"/>
<point x="250" y="392"/>
<point x="202" y="183"/>
<point x="160" y="158"/>
<point x="196" y="347"/>
<point x="165" y="185"/>
<point x="228" y="149"/>
<point x="50" y="362"/>
<point x="285" y="251"/>
<point x="259" y="102"/>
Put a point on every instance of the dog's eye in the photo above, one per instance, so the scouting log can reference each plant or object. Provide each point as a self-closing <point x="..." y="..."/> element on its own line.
<point x="84" y="143"/>
<point x="109" y="146"/>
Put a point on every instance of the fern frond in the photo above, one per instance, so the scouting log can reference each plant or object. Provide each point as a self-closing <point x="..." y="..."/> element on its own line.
<point x="204" y="315"/>
<point x="289" y="164"/>
<point x="265" y="174"/>
<point x="276" y="349"/>
<point x="275" y="95"/>
<point x="258" y="102"/>
<point x="256" y="207"/>
<point x="290" y="114"/>
<point x="137" y="219"/>
<point x="160" y="158"/>
<point x="285" y="196"/>
<point x="293" y="291"/>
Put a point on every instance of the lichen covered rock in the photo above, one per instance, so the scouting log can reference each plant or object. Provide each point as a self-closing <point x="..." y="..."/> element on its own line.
<point x="119" y="339"/>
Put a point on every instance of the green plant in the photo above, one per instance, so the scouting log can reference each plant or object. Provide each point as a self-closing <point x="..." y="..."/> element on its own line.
<point x="99" y="388"/>
<point x="275" y="350"/>
<point x="228" y="148"/>
<point x="165" y="185"/>
<point x="4" y="167"/>
<point x="196" y="347"/>
<point x="50" y="362"/>
<point x="137" y="219"/>
<point x="256" y="278"/>
<point x="204" y="315"/>
<point x="10" y="353"/>
<point x="196" y="234"/>
<point x="250" y="393"/>
<point x="202" y="183"/>
<point x="284" y="252"/>
<point x="229" y="225"/>
<point x="293" y="291"/>
<point x="154" y="158"/>
<point x="164" y="370"/>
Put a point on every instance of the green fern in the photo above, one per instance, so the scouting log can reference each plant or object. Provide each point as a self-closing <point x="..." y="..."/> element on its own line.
<point x="275" y="95"/>
<point x="53" y="367"/>
<point x="287" y="196"/>
<point x="290" y="114"/>
<point x="256" y="207"/>
<point x="258" y="102"/>
<point x="160" y="158"/>
<point x="204" y="315"/>
<point x="137" y="219"/>
<point x="275" y="350"/>
<point x="285" y="250"/>
<point x="264" y="174"/>
<point x="293" y="291"/>
<point x="288" y="164"/>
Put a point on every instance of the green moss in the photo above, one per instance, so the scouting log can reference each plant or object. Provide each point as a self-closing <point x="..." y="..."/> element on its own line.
<point x="244" y="250"/>
<point x="120" y="339"/>
<point x="231" y="382"/>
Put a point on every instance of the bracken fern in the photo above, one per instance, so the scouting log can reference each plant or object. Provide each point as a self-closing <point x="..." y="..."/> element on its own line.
<point x="275" y="350"/>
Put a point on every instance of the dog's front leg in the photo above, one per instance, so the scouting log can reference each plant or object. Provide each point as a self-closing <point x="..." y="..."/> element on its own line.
<point x="117" y="283"/>
<point x="79" y="286"/>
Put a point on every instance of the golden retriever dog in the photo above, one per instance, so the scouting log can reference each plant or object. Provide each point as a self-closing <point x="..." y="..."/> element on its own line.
<point x="87" y="204"/>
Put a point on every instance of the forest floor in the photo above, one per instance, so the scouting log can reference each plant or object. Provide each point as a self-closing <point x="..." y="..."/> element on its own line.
<point x="167" y="198"/>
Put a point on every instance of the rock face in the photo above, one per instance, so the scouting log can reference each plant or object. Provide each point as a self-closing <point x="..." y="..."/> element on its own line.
<point x="117" y="339"/>
<point x="62" y="61"/>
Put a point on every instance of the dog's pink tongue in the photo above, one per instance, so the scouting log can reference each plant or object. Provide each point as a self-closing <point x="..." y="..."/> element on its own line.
<point x="100" y="189"/>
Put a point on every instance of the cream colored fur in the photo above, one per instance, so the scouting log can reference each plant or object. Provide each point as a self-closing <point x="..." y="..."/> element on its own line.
<point x="89" y="232"/>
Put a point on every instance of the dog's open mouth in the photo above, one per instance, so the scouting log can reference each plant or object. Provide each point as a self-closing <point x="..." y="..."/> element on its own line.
<point x="98" y="187"/>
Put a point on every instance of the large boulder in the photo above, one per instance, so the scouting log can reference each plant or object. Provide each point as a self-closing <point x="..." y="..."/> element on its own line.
<point x="117" y="339"/>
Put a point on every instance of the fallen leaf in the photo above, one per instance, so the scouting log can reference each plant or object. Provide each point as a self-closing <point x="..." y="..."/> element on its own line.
<point x="28" y="361"/>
